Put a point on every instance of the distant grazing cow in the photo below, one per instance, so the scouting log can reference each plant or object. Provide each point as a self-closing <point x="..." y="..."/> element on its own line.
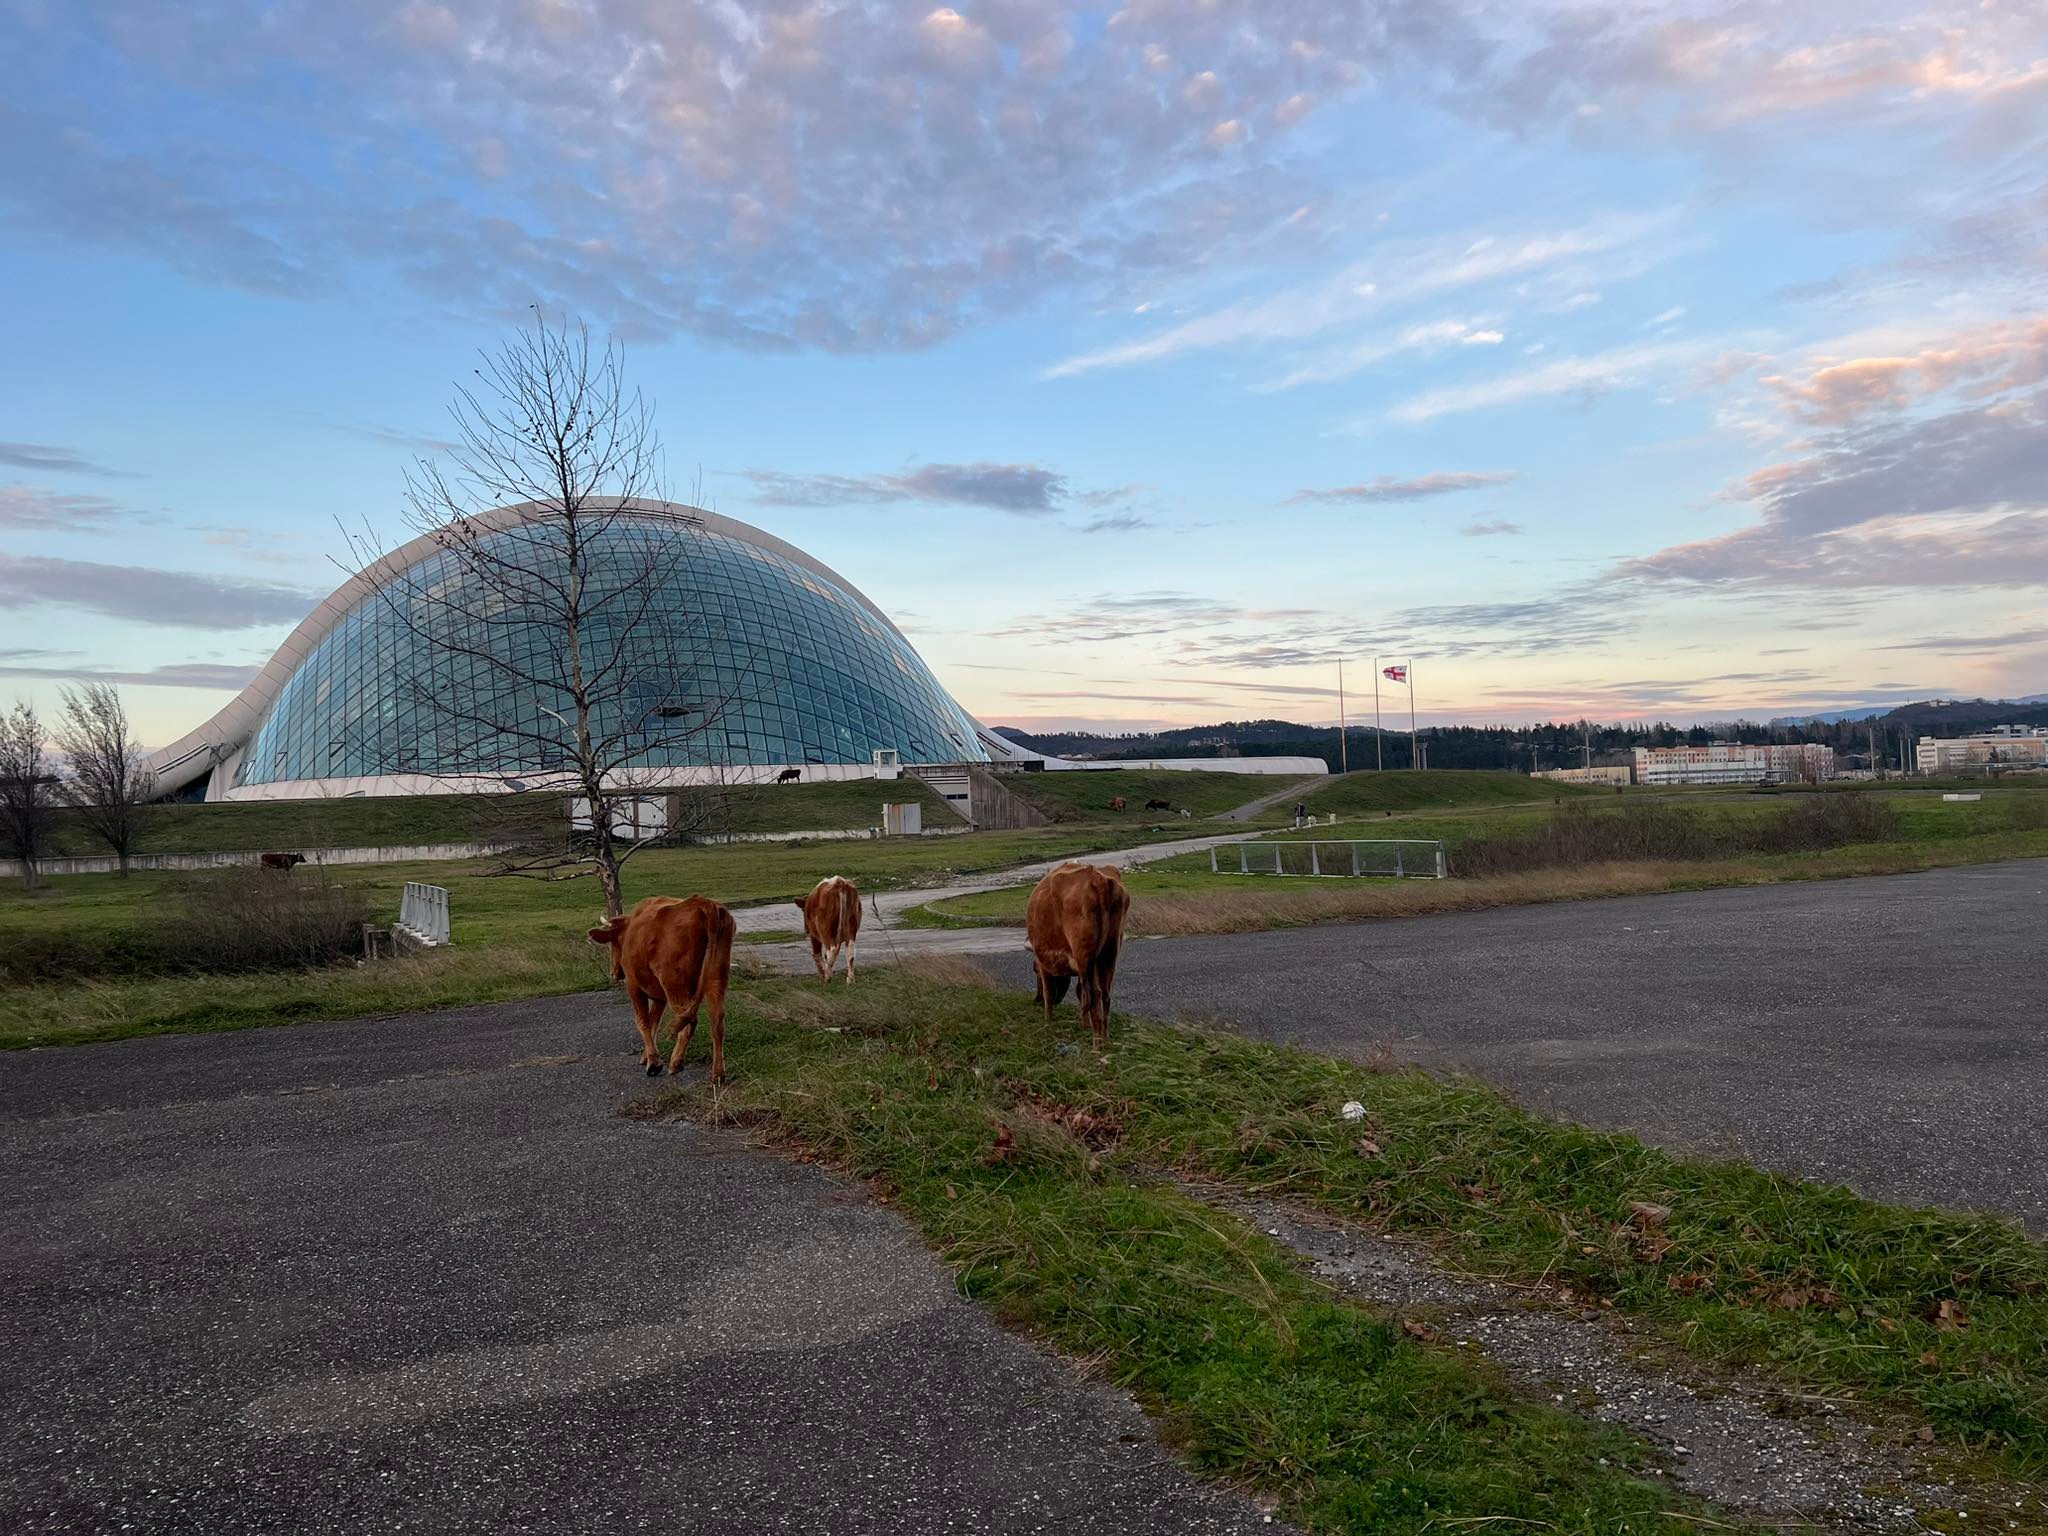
<point x="673" y="952"/>
<point x="1075" y="926"/>
<point x="788" y="775"/>
<point x="1158" y="805"/>
<point x="1186" y="814"/>
<point x="831" y="922"/>
<point x="1117" y="803"/>
<point x="283" y="861"/>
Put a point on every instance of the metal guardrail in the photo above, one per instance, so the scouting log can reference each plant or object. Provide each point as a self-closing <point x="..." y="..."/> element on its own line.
<point x="1335" y="858"/>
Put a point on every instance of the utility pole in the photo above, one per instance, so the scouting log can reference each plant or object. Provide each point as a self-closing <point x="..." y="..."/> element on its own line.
<point x="1379" y="734"/>
<point x="1343" y="745"/>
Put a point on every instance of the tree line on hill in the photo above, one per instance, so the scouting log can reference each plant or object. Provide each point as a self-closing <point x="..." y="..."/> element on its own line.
<point x="1534" y="748"/>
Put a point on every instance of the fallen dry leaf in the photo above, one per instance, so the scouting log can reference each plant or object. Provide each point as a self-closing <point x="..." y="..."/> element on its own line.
<point x="1005" y="1148"/>
<point x="1690" y="1284"/>
<point x="1924" y="1434"/>
<point x="1927" y="1357"/>
<point x="1648" y="1215"/>
<point x="1949" y="1314"/>
<point x="952" y="1193"/>
<point x="1367" y="1147"/>
<point x="1416" y="1330"/>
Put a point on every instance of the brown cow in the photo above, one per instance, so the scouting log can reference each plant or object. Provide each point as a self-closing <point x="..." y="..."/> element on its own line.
<point x="1075" y="926"/>
<point x="283" y="861"/>
<point x="674" y="952"/>
<point x="789" y="775"/>
<point x="831" y="922"/>
<point x="1117" y="803"/>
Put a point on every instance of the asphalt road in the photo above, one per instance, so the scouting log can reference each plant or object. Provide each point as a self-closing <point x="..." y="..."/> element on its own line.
<point x="1888" y="1033"/>
<point x="417" y="1274"/>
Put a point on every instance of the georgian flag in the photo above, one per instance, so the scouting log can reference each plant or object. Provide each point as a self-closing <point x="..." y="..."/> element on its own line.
<point x="1396" y="674"/>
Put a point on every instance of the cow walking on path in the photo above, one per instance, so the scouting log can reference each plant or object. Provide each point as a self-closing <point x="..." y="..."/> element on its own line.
<point x="1075" y="926"/>
<point x="832" y="923"/>
<point x="673" y="952"/>
<point x="280" y="861"/>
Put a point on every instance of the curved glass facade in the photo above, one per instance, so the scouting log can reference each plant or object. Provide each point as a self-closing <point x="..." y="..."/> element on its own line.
<point x="707" y="649"/>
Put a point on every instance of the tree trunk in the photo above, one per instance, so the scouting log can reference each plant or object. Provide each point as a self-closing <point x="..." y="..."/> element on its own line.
<point x="123" y="856"/>
<point x="608" y="877"/>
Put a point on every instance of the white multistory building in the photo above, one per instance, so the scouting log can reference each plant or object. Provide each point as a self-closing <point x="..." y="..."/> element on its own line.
<point x="2007" y="746"/>
<point x="1734" y="762"/>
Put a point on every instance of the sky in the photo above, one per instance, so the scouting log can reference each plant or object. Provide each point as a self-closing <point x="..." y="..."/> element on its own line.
<point x="1144" y="361"/>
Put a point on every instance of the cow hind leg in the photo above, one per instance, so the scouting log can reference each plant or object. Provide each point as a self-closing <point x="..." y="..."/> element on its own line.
<point x="714" y="1003"/>
<point x="647" y="1019"/>
<point x="818" y="960"/>
<point x="849" y="961"/>
<point x="1051" y="989"/>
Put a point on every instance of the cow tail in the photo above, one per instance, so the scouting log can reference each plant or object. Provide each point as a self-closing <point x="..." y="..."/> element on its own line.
<point x="717" y="959"/>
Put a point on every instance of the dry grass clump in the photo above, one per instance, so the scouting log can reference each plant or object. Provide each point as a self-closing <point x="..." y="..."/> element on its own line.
<point x="948" y="970"/>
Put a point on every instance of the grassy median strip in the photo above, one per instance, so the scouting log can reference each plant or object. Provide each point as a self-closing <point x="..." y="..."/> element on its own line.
<point x="1026" y="1159"/>
<point x="1259" y="1375"/>
<point x="1175" y="899"/>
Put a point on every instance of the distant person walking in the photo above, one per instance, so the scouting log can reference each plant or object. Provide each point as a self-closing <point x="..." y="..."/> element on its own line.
<point x="1300" y="814"/>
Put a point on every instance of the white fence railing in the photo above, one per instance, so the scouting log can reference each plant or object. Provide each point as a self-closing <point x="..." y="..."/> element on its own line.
<point x="423" y="914"/>
<point x="1333" y="858"/>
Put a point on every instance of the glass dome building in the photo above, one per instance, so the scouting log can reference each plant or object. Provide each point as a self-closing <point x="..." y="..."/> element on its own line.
<point x="722" y="651"/>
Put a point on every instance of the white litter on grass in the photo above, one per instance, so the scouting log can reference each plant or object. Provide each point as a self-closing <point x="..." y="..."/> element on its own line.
<point x="1353" y="1110"/>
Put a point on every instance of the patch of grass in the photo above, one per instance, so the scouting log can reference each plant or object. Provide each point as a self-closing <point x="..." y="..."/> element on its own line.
<point x="1260" y="1376"/>
<point x="967" y="1105"/>
<point x="1365" y="794"/>
<point x="1077" y="795"/>
<point x="251" y="826"/>
<point x="842" y="806"/>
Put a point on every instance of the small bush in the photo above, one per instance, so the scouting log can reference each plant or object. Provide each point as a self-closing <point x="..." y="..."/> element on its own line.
<point x="219" y="923"/>
<point x="260" y="920"/>
<point x="1814" y="822"/>
<point x="1577" y="835"/>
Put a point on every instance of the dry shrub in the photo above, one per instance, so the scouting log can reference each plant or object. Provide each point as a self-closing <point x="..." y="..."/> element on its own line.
<point x="948" y="970"/>
<point x="1815" y="822"/>
<point x="264" y="920"/>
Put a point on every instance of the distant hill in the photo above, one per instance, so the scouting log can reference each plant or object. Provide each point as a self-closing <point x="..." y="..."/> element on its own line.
<point x="1553" y="744"/>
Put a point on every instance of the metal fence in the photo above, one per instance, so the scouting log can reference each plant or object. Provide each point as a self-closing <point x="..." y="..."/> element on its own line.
<point x="1333" y="858"/>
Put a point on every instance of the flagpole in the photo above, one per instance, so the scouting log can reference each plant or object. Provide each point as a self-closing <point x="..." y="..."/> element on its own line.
<point x="1343" y="746"/>
<point x="1379" y="746"/>
<point x="1413" y="760"/>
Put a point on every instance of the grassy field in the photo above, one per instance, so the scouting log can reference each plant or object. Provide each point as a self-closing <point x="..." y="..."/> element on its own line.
<point x="1180" y="896"/>
<point x="395" y="821"/>
<point x="1370" y="794"/>
<point x="1084" y="796"/>
<point x="513" y="937"/>
<point x="1033" y="1168"/>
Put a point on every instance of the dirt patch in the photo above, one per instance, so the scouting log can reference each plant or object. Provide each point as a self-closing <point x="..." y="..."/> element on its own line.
<point x="1097" y="1127"/>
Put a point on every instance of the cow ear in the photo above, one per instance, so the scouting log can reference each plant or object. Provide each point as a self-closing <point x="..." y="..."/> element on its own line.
<point x="601" y="935"/>
<point x="799" y="905"/>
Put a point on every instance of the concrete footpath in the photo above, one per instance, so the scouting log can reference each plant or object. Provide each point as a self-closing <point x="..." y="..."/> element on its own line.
<point x="417" y="1273"/>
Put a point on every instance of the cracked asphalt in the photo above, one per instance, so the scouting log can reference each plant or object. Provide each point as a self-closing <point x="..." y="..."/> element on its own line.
<point x="1888" y="1033"/>
<point x="418" y="1274"/>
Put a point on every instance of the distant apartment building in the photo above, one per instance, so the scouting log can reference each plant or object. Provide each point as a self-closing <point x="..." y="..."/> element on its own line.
<point x="2007" y="746"/>
<point x="1617" y="776"/>
<point x="1734" y="762"/>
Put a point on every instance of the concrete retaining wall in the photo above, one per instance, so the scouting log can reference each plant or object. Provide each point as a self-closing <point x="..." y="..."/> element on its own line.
<point x="411" y="853"/>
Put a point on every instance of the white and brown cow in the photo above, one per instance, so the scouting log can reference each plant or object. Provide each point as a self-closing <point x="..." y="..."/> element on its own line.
<point x="832" y="923"/>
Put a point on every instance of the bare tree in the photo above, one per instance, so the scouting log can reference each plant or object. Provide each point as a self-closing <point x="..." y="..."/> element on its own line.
<point x="106" y="776"/>
<point x="551" y="651"/>
<point x="28" y="789"/>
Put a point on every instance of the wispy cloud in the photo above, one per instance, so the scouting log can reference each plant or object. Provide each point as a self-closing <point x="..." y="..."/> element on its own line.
<point x="1491" y="528"/>
<point x="51" y="460"/>
<point x="1405" y="274"/>
<point x="31" y="509"/>
<point x="1024" y="490"/>
<point x="1385" y="488"/>
<point x="195" y="674"/>
<point x="149" y="596"/>
<point x="1600" y="373"/>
